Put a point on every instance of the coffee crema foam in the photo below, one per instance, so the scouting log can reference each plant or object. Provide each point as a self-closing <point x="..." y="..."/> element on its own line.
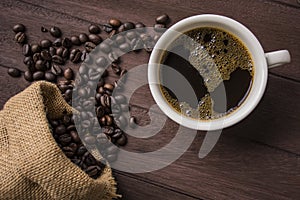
<point x="215" y="54"/>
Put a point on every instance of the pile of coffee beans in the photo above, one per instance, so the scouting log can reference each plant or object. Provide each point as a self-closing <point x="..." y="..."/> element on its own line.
<point x="45" y="60"/>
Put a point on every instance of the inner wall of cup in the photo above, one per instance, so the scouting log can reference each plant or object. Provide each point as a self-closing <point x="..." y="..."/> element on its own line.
<point x="248" y="39"/>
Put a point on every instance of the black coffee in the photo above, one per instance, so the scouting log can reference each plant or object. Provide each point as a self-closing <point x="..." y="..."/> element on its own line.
<point x="209" y="75"/>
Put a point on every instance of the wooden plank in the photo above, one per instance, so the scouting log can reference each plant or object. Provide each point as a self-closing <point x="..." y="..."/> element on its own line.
<point x="9" y="86"/>
<point x="235" y="169"/>
<point x="254" y="14"/>
<point x="141" y="190"/>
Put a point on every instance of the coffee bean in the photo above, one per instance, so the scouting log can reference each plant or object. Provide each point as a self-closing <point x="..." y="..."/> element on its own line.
<point x="75" y="56"/>
<point x="75" y="137"/>
<point x="35" y="48"/>
<point x="156" y="38"/>
<point x="95" y="39"/>
<point x="26" y="50"/>
<point x="75" y="40"/>
<point x="105" y="47"/>
<point x="61" y="129"/>
<point x="122" y="141"/>
<point x="117" y="133"/>
<point x="108" y="130"/>
<point x="19" y="28"/>
<point x="59" y="51"/>
<point x="57" y="42"/>
<point x="85" y="57"/>
<point x="162" y="19"/>
<point x="82" y="92"/>
<point x="112" y="149"/>
<point x="123" y="72"/>
<point x="20" y="37"/>
<point x="94" y="29"/>
<point x="111" y="157"/>
<point x="90" y="139"/>
<point x="92" y="171"/>
<point x="101" y="61"/>
<point x="109" y="120"/>
<point x="107" y="28"/>
<point x="68" y="151"/>
<point x="39" y="75"/>
<point x="81" y="150"/>
<point x="46" y="55"/>
<point x="73" y="146"/>
<point x="14" y="72"/>
<point x="115" y="68"/>
<point x="115" y="22"/>
<point x="102" y="139"/>
<point x="58" y="60"/>
<point x="28" y="60"/>
<point x="28" y="76"/>
<point x="43" y="29"/>
<point x="132" y="122"/>
<point x="89" y="46"/>
<point x="40" y="65"/>
<point x="140" y="27"/>
<point x="65" y="53"/>
<point x="52" y="51"/>
<point x="120" y="99"/>
<point x="83" y="37"/>
<point x="113" y="57"/>
<point x="65" y="139"/>
<point x="94" y="75"/>
<point x="56" y="70"/>
<point x="36" y="57"/>
<point x="136" y="44"/>
<point x="128" y="26"/>
<point x="68" y="74"/>
<point x="125" y="47"/>
<point x="131" y="35"/>
<point x="121" y="121"/>
<point x="108" y="86"/>
<point x="159" y="27"/>
<point x="55" y="31"/>
<point x="66" y="42"/>
<point x="45" y="43"/>
<point x="120" y="39"/>
<point x="114" y="32"/>
<point x="49" y="76"/>
<point x="124" y="107"/>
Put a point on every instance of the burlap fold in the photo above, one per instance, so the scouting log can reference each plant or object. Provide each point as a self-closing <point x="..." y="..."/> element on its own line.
<point x="32" y="166"/>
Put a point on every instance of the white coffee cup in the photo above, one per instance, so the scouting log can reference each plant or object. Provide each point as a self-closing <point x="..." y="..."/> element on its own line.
<point x="261" y="61"/>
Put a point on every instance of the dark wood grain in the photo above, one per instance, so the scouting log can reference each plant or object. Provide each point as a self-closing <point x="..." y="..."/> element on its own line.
<point x="256" y="159"/>
<point x="274" y="34"/>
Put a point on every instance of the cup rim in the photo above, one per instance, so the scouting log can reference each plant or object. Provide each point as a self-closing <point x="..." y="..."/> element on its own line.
<point x="259" y="78"/>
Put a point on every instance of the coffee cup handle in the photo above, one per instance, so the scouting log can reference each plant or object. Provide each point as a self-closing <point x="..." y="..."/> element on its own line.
<point x="277" y="58"/>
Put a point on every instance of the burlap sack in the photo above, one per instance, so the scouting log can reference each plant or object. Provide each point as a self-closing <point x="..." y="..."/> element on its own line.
<point x="32" y="166"/>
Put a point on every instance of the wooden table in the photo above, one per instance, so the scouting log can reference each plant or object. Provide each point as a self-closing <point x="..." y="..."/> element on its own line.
<point x="255" y="159"/>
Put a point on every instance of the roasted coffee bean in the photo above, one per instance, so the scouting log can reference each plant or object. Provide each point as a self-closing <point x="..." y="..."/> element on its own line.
<point x="102" y="139"/>
<point x="68" y="151"/>
<point x="112" y="149"/>
<point x="44" y="30"/>
<point x="107" y="28"/>
<point x="128" y="26"/>
<point x="132" y="122"/>
<point x="81" y="150"/>
<point x="56" y="70"/>
<point x="101" y="90"/>
<point x="123" y="72"/>
<point x="61" y="129"/>
<point x="49" y="76"/>
<point x="95" y="39"/>
<point x="90" y="160"/>
<point x="105" y="100"/>
<point x="109" y="120"/>
<point x="136" y="44"/>
<point x="26" y="50"/>
<point x="94" y="75"/>
<point x="59" y="51"/>
<point x="36" y="57"/>
<point x="75" y="137"/>
<point x="65" y="53"/>
<point x="105" y="47"/>
<point x="90" y="139"/>
<point x="19" y="28"/>
<point x="92" y="171"/>
<point x="82" y="92"/>
<point x="85" y="123"/>
<point x="76" y="161"/>
<point x="121" y="121"/>
<point x="117" y="133"/>
<point x="83" y="37"/>
<point x="162" y="19"/>
<point x="108" y="86"/>
<point x="71" y="127"/>
<point x="120" y="39"/>
<point x="40" y="65"/>
<point x="125" y="47"/>
<point x="101" y="61"/>
<point x="159" y="27"/>
<point x="52" y="51"/>
<point x="57" y="42"/>
<point x="114" y="32"/>
<point x="122" y="141"/>
<point x="68" y="74"/>
<point x="45" y="43"/>
<point x="108" y="130"/>
<point x="35" y="48"/>
<point x="55" y="31"/>
<point x="28" y="60"/>
<point x="124" y="107"/>
<point x="39" y="75"/>
<point x="58" y="60"/>
<point x="75" y="40"/>
<point x="73" y="146"/>
<point x="20" y="37"/>
<point x="46" y="55"/>
<point x="115" y="22"/>
<point x="94" y="29"/>
<point x="131" y="35"/>
<point x="156" y="38"/>
<point x="66" y="42"/>
<point x="140" y="27"/>
<point x="14" y="72"/>
<point x="115" y="68"/>
<point x="83" y="69"/>
<point x="100" y="112"/>
<point x="113" y="57"/>
<point x="85" y="57"/>
<point x="28" y="76"/>
<point x="89" y="46"/>
<point x="64" y="139"/>
<point x="75" y="56"/>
